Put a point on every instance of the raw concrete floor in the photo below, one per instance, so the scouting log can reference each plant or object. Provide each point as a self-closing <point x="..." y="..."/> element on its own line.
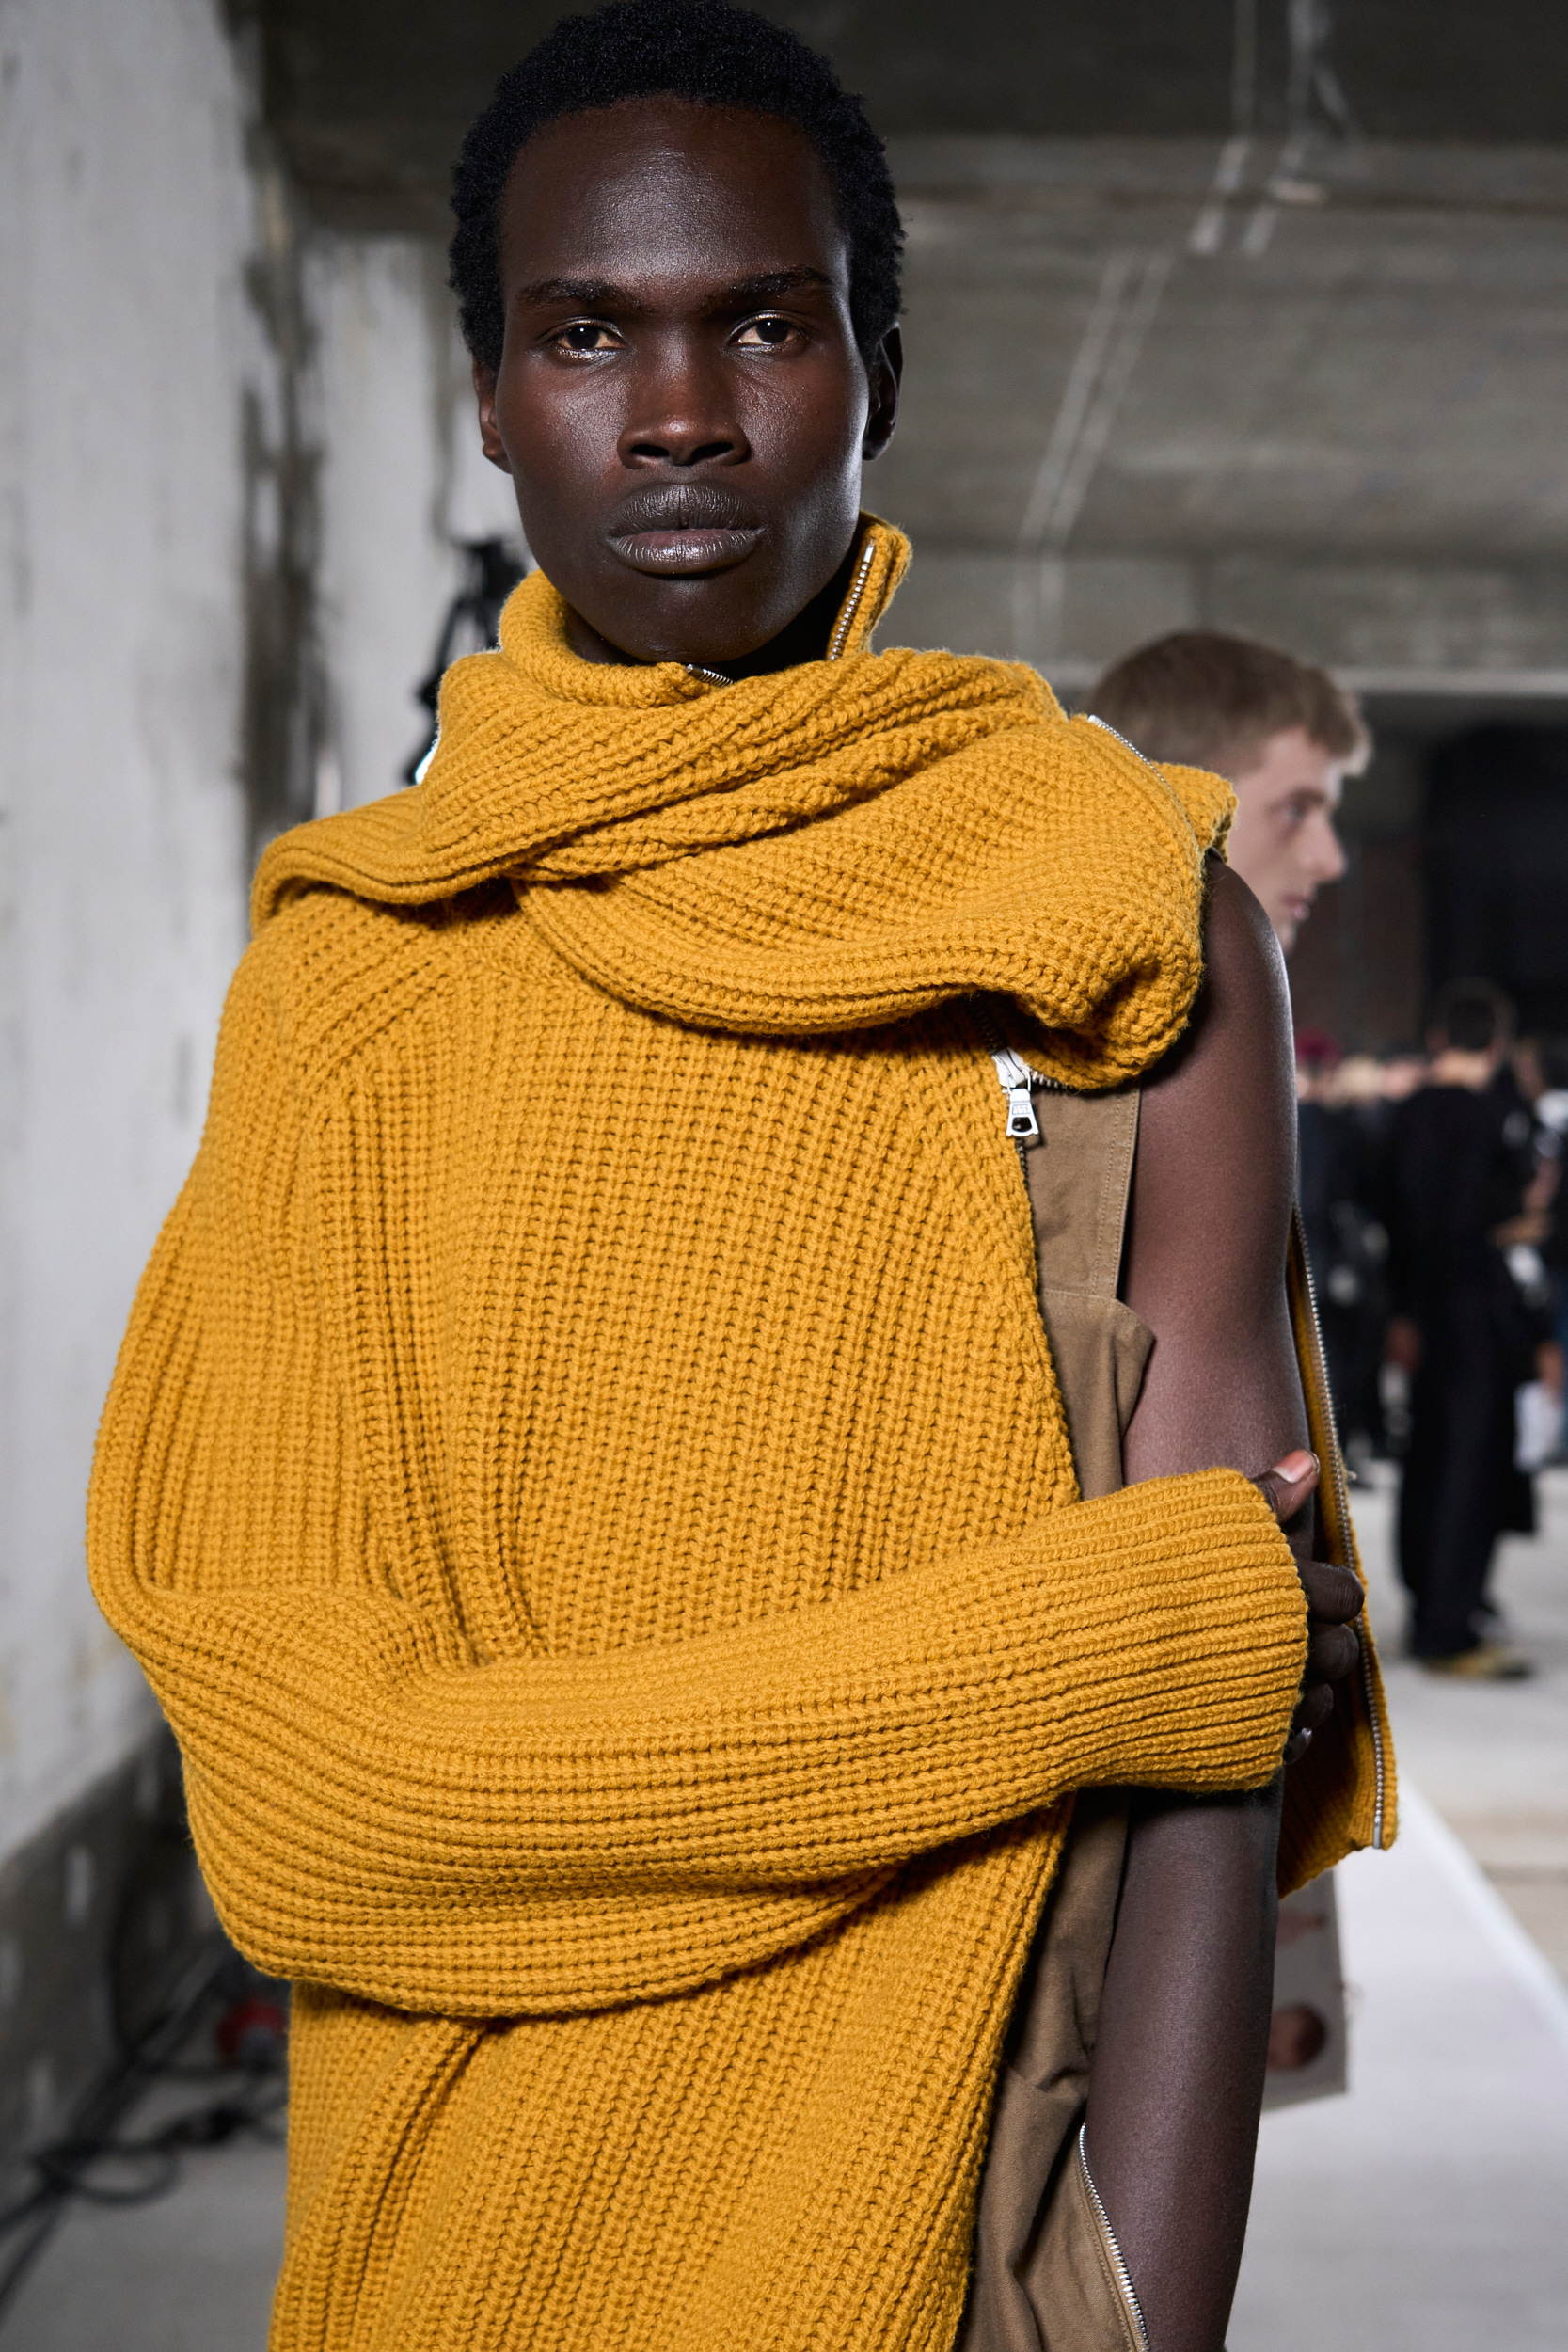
<point x="1422" y="2213"/>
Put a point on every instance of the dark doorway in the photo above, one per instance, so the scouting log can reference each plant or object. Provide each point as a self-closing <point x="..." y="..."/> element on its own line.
<point x="1456" y="840"/>
<point x="1496" y="858"/>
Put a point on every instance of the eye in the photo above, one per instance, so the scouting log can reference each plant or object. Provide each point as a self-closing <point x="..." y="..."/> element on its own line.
<point x="764" y="334"/>
<point x="584" y="336"/>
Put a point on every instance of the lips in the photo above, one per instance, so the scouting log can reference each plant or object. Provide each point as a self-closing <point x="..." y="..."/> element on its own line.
<point x="684" y="528"/>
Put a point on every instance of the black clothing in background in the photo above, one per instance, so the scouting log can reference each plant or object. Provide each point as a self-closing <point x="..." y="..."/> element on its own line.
<point x="1458" y="1164"/>
<point x="1347" y="1246"/>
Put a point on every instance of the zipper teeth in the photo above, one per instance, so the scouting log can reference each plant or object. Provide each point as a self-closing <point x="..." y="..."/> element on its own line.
<point x="991" y="1039"/>
<point x="1118" y="2263"/>
<point x="1319" y="1371"/>
<point x="1376" y="1728"/>
<point x="841" y="627"/>
<point x="994" y="1043"/>
<point x="1106" y="728"/>
<point x="851" y="602"/>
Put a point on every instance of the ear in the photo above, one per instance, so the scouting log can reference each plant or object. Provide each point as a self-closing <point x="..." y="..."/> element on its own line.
<point x="884" y="375"/>
<point x="489" y="433"/>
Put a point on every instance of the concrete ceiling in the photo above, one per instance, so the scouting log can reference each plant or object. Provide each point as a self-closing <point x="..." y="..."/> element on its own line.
<point x="371" y="101"/>
<point x="1327" y="406"/>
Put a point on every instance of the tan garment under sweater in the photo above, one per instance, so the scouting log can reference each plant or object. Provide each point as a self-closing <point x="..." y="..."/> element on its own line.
<point x="1045" y="2269"/>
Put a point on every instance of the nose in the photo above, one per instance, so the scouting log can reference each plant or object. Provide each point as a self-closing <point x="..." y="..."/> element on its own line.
<point x="1325" y="851"/>
<point x="682" y="414"/>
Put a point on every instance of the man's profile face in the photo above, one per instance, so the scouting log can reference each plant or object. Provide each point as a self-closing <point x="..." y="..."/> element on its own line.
<point x="680" y="402"/>
<point x="1282" y="839"/>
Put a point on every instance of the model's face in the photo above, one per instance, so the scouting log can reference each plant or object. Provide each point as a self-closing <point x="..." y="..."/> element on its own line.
<point x="680" y="402"/>
<point x="1282" y="839"/>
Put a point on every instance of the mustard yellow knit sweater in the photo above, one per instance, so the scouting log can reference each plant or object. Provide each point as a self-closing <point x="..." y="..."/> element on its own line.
<point x="586" y="1480"/>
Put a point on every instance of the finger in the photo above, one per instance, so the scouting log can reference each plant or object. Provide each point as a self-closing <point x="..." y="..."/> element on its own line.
<point x="1313" y="1709"/>
<point x="1332" y="1653"/>
<point x="1334" y="1596"/>
<point x="1286" y="1486"/>
<point x="1312" y="1712"/>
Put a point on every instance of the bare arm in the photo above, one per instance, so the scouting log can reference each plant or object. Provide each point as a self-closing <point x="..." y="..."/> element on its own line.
<point x="1177" y="2077"/>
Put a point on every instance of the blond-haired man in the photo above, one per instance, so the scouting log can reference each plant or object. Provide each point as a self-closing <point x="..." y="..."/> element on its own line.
<point x="1280" y="730"/>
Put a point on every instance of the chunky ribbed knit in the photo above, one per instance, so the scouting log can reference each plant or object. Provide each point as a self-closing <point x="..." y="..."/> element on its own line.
<point x="586" y="1480"/>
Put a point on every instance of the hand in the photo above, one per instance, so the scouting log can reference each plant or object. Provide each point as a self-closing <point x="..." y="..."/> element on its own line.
<point x="1333" y="1601"/>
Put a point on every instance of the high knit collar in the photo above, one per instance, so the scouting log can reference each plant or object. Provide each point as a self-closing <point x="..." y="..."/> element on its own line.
<point x="557" y="767"/>
<point x="828" y="846"/>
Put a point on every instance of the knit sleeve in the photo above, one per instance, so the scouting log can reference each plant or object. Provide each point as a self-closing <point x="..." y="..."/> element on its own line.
<point x="377" y="1809"/>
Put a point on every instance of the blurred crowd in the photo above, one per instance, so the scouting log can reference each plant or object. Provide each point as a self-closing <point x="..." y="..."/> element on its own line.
<point x="1437" y="1229"/>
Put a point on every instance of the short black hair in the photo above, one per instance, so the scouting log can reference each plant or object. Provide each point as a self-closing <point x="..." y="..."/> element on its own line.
<point x="703" y="50"/>
<point x="1474" y="1015"/>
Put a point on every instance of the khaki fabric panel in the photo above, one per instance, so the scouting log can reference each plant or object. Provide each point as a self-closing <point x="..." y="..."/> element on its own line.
<point x="1042" y="2278"/>
<point x="1080" y="1175"/>
<point x="1099" y="1349"/>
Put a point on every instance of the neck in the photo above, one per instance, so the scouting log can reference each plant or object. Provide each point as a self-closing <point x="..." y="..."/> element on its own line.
<point x="804" y="639"/>
<point x="1461" y="1066"/>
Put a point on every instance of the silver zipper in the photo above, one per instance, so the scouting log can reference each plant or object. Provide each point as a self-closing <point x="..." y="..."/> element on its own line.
<point x="1015" y="1079"/>
<point x="1104" y="725"/>
<point x="1014" y="1075"/>
<point x="1124" y="2277"/>
<point x="851" y="602"/>
<point x="1319" y="1371"/>
<point x="841" y="627"/>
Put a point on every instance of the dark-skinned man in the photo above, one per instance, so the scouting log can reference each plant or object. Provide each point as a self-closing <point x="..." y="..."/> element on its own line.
<point x="587" y="1476"/>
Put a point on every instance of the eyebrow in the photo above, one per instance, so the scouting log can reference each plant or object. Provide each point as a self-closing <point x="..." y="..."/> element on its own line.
<point x="600" y="294"/>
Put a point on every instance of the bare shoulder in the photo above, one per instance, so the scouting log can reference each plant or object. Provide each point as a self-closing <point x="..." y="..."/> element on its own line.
<point x="1215" y="1170"/>
<point x="1245" y="1005"/>
<point x="1230" y="1083"/>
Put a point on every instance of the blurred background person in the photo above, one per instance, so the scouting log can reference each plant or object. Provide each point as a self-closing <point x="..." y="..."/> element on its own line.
<point x="1278" y="729"/>
<point x="1464" y="1181"/>
<point x="1550" y="1107"/>
<point x="1341" y="1121"/>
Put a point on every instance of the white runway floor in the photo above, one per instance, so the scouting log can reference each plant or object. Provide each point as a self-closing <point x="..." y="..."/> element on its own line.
<point x="1426" y="2211"/>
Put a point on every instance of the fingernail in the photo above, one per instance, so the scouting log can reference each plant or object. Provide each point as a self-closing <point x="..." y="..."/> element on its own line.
<point x="1295" y="1465"/>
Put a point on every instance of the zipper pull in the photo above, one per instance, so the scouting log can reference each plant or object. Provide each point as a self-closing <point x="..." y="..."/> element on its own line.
<point x="1013" y="1073"/>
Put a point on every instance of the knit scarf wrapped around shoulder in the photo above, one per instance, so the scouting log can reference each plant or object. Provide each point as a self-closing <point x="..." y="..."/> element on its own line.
<point x="833" y="848"/>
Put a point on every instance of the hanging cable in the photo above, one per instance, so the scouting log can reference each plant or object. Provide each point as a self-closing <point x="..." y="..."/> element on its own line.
<point x="95" y="2164"/>
<point x="473" y="619"/>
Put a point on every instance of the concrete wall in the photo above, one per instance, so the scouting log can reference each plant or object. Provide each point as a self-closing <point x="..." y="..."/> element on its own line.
<point x="402" y="482"/>
<point x="129" y="353"/>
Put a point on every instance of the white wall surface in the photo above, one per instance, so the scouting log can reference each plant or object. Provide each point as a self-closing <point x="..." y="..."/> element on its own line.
<point x="402" y="482"/>
<point x="126" y="215"/>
